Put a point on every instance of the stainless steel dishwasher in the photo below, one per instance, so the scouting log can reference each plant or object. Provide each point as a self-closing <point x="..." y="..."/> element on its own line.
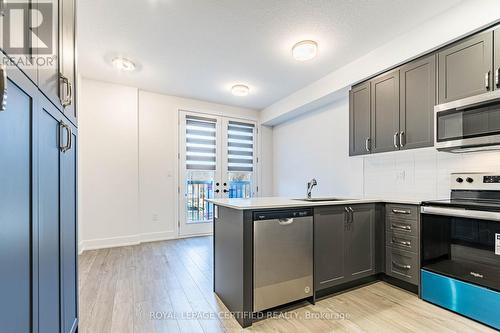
<point x="283" y="257"/>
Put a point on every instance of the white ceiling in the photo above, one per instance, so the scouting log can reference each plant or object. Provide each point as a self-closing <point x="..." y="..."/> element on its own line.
<point x="200" y="48"/>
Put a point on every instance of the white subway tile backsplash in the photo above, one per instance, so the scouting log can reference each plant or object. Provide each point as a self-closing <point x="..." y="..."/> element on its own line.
<point x="422" y="174"/>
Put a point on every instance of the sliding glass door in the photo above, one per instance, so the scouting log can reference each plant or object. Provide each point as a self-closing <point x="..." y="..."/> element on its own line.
<point x="217" y="160"/>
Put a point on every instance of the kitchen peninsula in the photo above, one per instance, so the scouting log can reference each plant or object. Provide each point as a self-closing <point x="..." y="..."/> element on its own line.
<point x="273" y="251"/>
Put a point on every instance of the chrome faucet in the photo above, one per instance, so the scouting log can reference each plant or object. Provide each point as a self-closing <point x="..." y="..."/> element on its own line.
<point x="310" y="186"/>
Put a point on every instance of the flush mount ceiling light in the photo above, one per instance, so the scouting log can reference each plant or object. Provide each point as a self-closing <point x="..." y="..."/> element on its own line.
<point x="305" y="50"/>
<point x="240" y="90"/>
<point x="123" y="64"/>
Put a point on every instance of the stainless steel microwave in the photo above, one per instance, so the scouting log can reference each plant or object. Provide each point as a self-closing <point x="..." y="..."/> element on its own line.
<point x="468" y="124"/>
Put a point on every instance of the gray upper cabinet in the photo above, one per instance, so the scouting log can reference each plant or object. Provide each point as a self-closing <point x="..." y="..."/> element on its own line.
<point x="359" y="120"/>
<point x="465" y="68"/>
<point x="418" y="97"/>
<point x="385" y="112"/>
<point x="496" y="64"/>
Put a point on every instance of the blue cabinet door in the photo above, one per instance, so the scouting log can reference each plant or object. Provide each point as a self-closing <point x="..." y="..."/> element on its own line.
<point x="15" y="206"/>
<point x="69" y="234"/>
<point x="49" y="133"/>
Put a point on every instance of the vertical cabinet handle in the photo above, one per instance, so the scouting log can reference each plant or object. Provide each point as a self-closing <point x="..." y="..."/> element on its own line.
<point x="487" y="80"/>
<point x="402" y="139"/>
<point x="67" y="96"/>
<point x="368" y="142"/>
<point x="64" y="147"/>
<point x="3" y="87"/>
<point x="396" y="135"/>
<point x="2" y="7"/>
<point x="497" y="79"/>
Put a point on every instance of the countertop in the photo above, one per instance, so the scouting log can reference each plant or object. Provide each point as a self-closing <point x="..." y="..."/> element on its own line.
<point x="282" y="202"/>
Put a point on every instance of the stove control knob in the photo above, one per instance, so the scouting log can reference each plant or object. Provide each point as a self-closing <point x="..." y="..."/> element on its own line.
<point x="470" y="180"/>
<point x="460" y="180"/>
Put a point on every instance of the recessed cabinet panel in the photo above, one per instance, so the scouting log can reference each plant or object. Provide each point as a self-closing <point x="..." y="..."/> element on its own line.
<point x="48" y="234"/>
<point x="418" y="97"/>
<point x="361" y="249"/>
<point x="465" y="68"/>
<point x="69" y="237"/>
<point x="385" y="112"/>
<point x="15" y="211"/>
<point x="329" y="245"/>
<point x="48" y="73"/>
<point x="496" y="54"/>
<point x="359" y="120"/>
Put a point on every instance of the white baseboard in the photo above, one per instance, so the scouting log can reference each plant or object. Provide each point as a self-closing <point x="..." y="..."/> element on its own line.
<point x="104" y="243"/>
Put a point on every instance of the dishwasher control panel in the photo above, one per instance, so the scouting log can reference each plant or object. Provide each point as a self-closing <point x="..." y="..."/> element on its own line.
<point x="282" y="214"/>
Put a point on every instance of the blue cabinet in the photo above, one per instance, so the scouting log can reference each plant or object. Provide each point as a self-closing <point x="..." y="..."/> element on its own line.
<point x="16" y="227"/>
<point x="38" y="213"/>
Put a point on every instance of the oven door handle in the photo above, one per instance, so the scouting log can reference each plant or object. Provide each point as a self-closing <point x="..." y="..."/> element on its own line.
<point x="465" y="213"/>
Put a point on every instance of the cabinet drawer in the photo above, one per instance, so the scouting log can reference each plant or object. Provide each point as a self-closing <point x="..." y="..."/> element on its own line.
<point x="402" y="265"/>
<point x="404" y="227"/>
<point x="398" y="240"/>
<point x="402" y="212"/>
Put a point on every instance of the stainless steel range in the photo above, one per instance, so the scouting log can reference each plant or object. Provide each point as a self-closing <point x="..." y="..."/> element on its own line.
<point x="461" y="248"/>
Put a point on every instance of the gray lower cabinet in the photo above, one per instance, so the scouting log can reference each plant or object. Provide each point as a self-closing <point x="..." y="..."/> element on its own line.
<point x="465" y="68"/>
<point x="359" y="120"/>
<point x="16" y="209"/>
<point x="403" y="242"/>
<point x="344" y="244"/>
<point x="385" y="112"/>
<point x="418" y="97"/>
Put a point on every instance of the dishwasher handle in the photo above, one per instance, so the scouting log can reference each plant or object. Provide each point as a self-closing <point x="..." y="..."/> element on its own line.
<point x="286" y="221"/>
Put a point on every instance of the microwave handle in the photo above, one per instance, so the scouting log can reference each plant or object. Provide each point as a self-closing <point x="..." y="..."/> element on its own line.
<point x="464" y="213"/>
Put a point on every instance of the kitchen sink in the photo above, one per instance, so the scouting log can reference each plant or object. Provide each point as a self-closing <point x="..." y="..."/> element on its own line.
<point x="322" y="199"/>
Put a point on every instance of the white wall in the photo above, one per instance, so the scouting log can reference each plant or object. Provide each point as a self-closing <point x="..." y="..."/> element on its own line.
<point x="316" y="145"/>
<point x="108" y="165"/>
<point x="128" y="162"/>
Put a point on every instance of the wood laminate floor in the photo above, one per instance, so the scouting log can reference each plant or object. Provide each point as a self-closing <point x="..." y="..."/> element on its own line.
<point x="167" y="287"/>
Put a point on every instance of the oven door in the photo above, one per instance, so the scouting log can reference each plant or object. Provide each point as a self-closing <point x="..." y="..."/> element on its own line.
<point x="462" y="244"/>
<point x="462" y="126"/>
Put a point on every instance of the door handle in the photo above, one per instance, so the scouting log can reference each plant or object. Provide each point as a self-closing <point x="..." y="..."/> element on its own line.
<point x="396" y="140"/>
<point x="3" y="87"/>
<point x="401" y="266"/>
<point x="65" y="147"/>
<point x="487" y="80"/>
<point x="68" y="91"/>
<point x="368" y="142"/>
<point x="402" y="139"/>
<point x="352" y="214"/>
<point x="285" y="221"/>
<point x="2" y="7"/>
<point x="497" y="78"/>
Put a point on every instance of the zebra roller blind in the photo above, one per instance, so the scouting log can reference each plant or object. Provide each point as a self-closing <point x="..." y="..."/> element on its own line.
<point x="240" y="144"/>
<point x="201" y="143"/>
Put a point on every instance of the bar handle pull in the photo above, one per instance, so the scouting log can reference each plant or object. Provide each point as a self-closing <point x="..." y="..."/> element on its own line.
<point x="401" y="266"/>
<point x="487" y="80"/>
<point x="3" y="88"/>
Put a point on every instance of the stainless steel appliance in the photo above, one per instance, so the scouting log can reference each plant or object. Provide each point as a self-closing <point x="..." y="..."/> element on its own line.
<point x="283" y="257"/>
<point x="460" y="250"/>
<point x="468" y="124"/>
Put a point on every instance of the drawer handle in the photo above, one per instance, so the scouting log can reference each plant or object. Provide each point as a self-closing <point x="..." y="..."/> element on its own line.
<point x="401" y="227"/>
<point x="402" y="243"/>
<point x="401" y="211"/>
<point x="401" y="266"/>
